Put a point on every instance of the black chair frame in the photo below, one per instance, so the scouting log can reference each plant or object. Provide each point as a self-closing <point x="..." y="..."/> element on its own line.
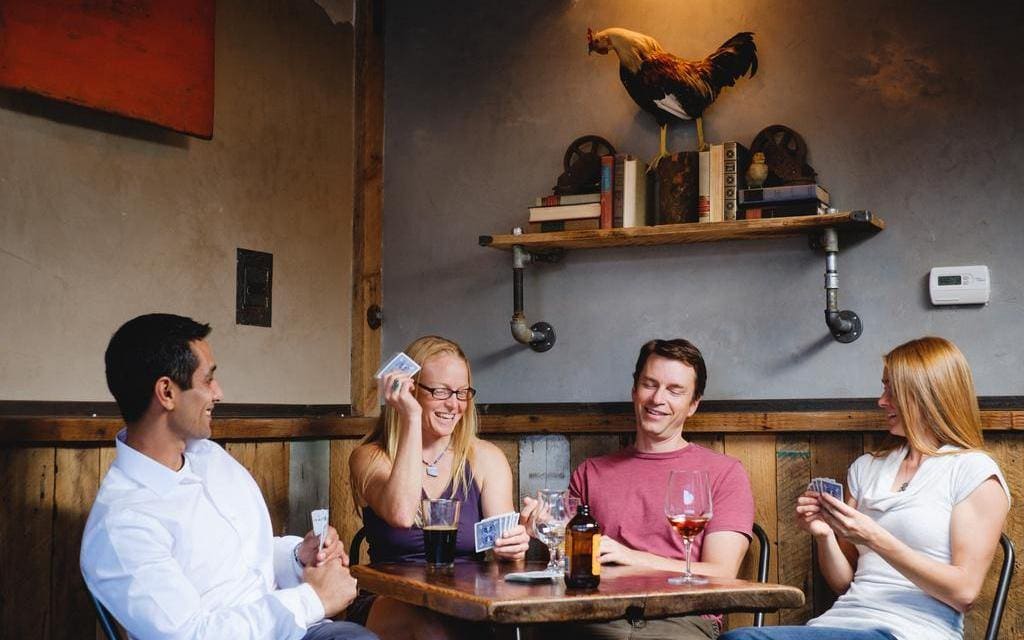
<point x="764" y="553"/>
<point x="995" y="618"/>
<point x="106" y="620"/>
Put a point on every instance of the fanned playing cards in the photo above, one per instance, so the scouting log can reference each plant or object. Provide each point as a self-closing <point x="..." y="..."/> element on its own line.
<point x="827" y="485"/>
<point x="490" y="529"/>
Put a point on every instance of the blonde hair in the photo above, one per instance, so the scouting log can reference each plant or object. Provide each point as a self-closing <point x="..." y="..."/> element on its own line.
<point x="385" y="433"/>
<point x="932" y="387"/>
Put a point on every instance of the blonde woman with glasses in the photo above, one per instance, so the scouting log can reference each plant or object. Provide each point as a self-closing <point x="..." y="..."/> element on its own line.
<point x="425" y="446"/>
<point x="910" y="548"/>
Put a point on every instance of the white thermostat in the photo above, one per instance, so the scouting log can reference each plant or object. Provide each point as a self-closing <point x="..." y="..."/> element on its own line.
<point x="959" y="285"/>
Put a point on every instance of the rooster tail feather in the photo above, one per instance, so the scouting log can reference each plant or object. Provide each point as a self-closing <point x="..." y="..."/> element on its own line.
<point x="736" y="57"/>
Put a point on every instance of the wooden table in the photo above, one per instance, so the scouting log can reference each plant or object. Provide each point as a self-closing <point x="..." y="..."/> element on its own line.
<point x="478" y="592"/>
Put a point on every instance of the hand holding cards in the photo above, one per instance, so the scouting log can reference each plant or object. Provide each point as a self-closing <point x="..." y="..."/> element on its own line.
<point x="400" y="363"/>
<point x="488" y="530"/>
<point x="320" y="517"/>
<point x="827" y="485"/>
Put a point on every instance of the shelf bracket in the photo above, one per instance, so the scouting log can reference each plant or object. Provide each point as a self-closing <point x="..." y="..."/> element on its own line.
<point x="845" y="325"/>
<point x="541" y="336"/>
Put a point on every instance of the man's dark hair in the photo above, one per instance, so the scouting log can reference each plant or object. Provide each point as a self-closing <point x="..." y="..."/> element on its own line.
<point x="677" y="349"/>
<point x="145" y="349"/>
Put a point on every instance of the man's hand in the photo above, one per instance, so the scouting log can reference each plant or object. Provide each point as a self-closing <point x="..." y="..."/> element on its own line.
<point x="528" y="515"/>
<point x="310" y="557"/>
<point x="614" y="552"/>
<point x="333" y="584"/>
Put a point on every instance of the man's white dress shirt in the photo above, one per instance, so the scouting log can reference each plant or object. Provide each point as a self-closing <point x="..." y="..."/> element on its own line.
<point x="191" y="553"/>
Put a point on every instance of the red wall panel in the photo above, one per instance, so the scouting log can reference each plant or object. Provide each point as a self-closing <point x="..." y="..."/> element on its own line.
<point x="145" y="59"/>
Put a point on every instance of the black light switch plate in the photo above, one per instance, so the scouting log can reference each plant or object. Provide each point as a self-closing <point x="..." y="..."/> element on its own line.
<point x="254" y="288"/>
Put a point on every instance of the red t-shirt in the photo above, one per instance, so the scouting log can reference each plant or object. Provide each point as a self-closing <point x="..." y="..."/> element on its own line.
<point x="626" y="494"/>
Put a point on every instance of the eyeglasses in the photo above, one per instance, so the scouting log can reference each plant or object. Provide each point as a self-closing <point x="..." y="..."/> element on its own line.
<point x="443" y="393"/>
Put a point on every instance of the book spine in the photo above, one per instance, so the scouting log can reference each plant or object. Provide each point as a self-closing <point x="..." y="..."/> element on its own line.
<point x="675" y="190"/>
<point x="565" y="212"/>
<point x="634" y="208"/>
<point x="783" y="210"/>
<point x="704" y="187"/>
<point x="586" y="224"/>
<point x="784" y="194"/>
<point x="561" y="200"/>
<point x="717" y="168"/>
<point x="734" y="176"/>
<point x="618" y="184"/>
<point x="607" y="176"/>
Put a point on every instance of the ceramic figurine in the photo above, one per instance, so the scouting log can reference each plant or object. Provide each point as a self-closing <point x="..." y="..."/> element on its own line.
<point x="757" y="172"/>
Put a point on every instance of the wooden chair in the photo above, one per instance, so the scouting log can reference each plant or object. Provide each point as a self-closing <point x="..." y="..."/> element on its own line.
<point x="1002" y="588"/>
<point x="356" y="547"/>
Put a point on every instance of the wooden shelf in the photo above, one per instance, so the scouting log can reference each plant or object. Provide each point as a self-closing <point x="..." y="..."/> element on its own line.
<point x="687" y="233"/>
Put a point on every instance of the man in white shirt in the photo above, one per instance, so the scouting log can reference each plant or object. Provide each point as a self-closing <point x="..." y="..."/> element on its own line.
<point x="179" y="542"/>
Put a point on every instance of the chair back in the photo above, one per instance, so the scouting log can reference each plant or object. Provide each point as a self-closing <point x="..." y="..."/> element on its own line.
<point x="106" y="620"/>
<point x="763" y="556"/>
<point x="1002" y="588"/>
<point x="356" y="547"/>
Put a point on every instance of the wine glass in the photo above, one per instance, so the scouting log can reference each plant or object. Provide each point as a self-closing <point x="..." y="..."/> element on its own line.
<point x="688" y="509"/>
<point x="549" y="523"/>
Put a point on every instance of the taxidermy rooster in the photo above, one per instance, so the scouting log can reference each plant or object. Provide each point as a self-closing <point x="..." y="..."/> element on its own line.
<point x="669" y="87"/>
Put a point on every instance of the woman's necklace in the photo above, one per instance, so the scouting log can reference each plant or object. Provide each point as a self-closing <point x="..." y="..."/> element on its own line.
<point x="432" y="466"/>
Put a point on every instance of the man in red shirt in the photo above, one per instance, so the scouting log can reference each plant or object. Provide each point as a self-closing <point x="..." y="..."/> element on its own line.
<point x="626" y="489"/>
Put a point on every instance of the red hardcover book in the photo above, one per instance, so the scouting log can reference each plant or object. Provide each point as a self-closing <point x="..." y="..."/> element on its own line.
<point x="607" y="179"/>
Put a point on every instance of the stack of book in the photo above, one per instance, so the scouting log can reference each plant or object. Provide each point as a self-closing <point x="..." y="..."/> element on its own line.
<point x="624" y="189"/>
<point x="782" y="202"/>
<point x="565" y="213"/>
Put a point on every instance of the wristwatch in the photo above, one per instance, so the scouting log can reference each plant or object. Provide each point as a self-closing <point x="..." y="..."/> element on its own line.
<point x="295" y="555"/>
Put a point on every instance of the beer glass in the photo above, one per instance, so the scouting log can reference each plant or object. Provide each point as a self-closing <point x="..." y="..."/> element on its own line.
<point x="440" y="526"/>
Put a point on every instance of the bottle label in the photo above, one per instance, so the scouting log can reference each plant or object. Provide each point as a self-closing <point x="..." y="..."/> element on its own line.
<point x="595" y="551"/>
<point x="568" y="551"/>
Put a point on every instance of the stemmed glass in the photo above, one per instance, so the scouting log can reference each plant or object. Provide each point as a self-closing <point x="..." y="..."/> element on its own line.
<point x="549" y="524"/>
<point x="688" y="508"/>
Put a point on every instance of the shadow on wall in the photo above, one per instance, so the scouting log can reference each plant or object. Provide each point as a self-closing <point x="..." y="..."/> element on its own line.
<point x="789" y="361"/>
<point x="77" y="116"/>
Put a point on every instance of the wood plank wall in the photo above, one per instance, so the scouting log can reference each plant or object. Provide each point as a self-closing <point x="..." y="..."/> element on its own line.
<point x="47" y="492"/>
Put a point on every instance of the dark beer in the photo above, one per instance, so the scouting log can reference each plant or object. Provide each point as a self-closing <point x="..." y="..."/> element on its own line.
<point x="439" y="544"/>
<point x="582" y="550"/>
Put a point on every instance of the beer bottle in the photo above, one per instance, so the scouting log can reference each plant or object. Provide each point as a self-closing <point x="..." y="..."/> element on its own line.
<point x="583" y="550"/>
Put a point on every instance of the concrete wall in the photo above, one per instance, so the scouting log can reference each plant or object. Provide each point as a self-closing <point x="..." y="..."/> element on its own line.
<point x="102" y="218"/>
<point x="910" y="110"/>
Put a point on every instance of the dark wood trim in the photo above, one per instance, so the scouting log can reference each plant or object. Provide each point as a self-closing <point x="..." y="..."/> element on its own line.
<point x="74" y="422"/>
<point x="50" y="409"/>
<point x="367" y="237"/>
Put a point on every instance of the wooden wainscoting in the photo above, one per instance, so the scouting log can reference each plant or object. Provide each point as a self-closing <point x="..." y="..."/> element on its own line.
<point x="48" y="488"/>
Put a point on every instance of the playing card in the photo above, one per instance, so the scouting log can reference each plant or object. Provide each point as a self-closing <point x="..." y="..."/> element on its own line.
<point x="398" y="362"/>
<point x="490" y="529"/>
<point x="485" y="533"/>
<point x="320" y="517"/>
<point x="833" y="488"/>
<point x="531" y="576"/>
